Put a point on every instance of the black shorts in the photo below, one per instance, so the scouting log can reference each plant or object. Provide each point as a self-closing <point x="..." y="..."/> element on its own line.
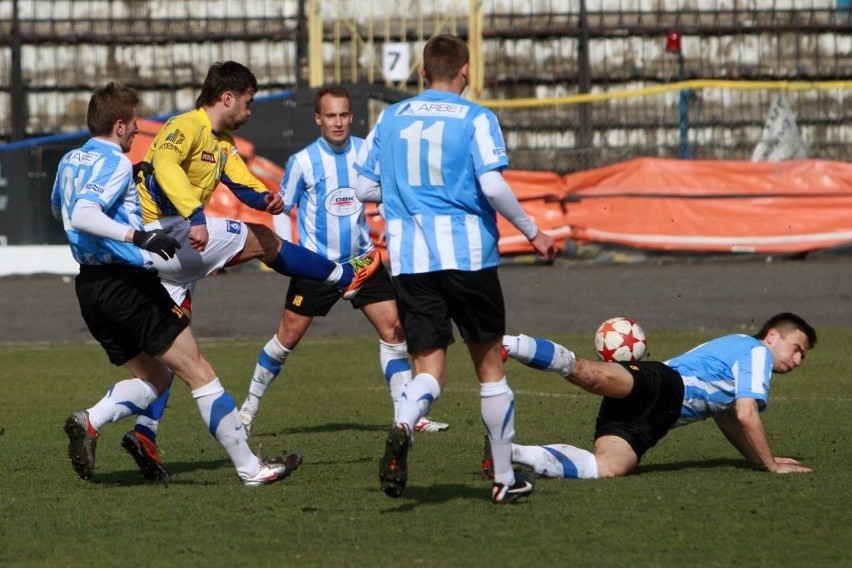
<point x="648" y="412"/>
<point x="310" y="298"/>
<point x="128" y="311"/>
<point x="431" y="301"/>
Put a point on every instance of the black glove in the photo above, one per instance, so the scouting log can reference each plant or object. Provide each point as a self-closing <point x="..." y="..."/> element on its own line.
<point x="144" y="168"/>
<point x="157" y="241"/>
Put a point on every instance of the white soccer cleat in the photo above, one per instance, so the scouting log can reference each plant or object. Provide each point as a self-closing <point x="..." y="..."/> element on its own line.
<point x="272" y="470"/>
<point x="426" y="425"/>
<point x="246" y="419"/>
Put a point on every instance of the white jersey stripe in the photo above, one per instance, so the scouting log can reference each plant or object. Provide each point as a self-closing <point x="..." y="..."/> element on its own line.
<point x="420" y="249"/>
<point x="758" y="361"/>
<point x="474" y="242"/>
<point x="445" y="245"/>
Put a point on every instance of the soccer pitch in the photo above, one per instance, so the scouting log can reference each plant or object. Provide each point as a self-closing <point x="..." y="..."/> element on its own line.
<point x="693" y="500"/>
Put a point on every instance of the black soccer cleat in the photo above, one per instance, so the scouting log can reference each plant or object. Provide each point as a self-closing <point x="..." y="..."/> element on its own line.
<point x="505" y="494"/>
<point x="393" y="467"/>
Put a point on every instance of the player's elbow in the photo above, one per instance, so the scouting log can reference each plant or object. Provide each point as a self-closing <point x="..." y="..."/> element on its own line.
<point x="367" y="190"/>
<point x="746" y="411"/>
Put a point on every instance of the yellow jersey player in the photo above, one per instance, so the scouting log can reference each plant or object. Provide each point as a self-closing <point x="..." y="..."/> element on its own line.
<point x="188" y="158"/>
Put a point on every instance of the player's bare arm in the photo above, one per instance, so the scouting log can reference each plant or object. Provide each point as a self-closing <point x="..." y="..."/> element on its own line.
<point x="729" y="426"/>
<point x="744" y="429"/>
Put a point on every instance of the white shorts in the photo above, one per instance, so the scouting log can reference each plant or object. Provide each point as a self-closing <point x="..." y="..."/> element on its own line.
<point x="188" y="266"/>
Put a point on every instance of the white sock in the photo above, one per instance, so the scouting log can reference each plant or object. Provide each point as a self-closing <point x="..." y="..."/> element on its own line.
<point x="125" y="397"/>
<point x="417" y="399"/>
<point x="270" y="361"/>
<point x="498" y="414"/>
<point x="219" y="412"/>
<point x="540" y="353"/>
<point x="148" y="419"/>
<point x="397" y="371"/>
<point x="557" y="460"/>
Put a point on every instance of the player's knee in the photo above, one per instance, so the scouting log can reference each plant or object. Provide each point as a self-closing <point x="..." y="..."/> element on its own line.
<point x="610" y="470"/>
<point x="601" y="378"/>
<point x="393" y="334"/>
<point x="262" y="242"/>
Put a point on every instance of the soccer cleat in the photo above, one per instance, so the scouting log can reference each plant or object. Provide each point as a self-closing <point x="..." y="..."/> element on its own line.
<point x="426" y="425"/>
<point x="487" y="460"/>
<point x="363" y="268"/>
<point x="246" y="419"/>
<point x="393" y="468"/>
<point x="505" y="494"/>
<point x="144" y="451"/>
<point x="82" y="442"/>
<point x="273" y="470"/>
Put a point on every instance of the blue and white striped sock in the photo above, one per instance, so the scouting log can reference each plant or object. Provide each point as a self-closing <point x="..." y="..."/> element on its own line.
<point x="540" y="353"/>
<point x="557" y="460"/>
<point x="219" y="412"/>
<point x="126" y="397"/>
<point x="497" y="403"/>
<point x="269" y="364"/>
<point x="396" y="369"/>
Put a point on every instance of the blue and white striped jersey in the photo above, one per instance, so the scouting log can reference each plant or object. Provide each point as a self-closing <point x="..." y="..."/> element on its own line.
<point x="426" y="152"/>
<point x="720" y="371"/>
<point x="330" y="218"/>
<point x="100" y="172"/>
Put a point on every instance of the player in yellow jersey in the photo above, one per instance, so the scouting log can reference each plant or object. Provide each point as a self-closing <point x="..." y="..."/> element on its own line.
<point x="190" y="155"/>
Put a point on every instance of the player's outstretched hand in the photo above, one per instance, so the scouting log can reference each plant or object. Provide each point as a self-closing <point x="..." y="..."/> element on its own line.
<point x="274" y="203"/>
<point x="158" y="241"/>
<point x="790" y="465"/>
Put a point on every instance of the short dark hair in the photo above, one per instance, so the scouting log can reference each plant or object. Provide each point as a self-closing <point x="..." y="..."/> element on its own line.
<point x="785" y="322"/>
<point x="333" y="90"/>
<point x="108" y="105"/>
<point x="222" y="77"/>
<point x="443" y="57"/>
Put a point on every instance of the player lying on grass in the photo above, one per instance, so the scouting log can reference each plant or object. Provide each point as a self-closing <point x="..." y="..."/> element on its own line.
<point x="727" y="378"/>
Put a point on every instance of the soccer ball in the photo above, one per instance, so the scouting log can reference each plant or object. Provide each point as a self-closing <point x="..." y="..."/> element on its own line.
<point x="620" y="339"/>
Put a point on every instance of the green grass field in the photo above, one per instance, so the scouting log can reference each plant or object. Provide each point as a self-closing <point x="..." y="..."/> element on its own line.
<point x="693" y="501"/>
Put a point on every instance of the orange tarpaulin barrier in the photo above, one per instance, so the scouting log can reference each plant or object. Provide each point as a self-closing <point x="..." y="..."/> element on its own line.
<point x="541" y="195"/>
<point x="713" y="206"/>
<point x="650" y="203"/>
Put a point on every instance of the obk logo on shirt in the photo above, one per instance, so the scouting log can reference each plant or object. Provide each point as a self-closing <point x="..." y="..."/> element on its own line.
<point x="342" y="202"/>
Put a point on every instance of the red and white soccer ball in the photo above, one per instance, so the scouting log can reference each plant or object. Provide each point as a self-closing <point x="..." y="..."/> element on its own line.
<point x="620" y="339"/>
